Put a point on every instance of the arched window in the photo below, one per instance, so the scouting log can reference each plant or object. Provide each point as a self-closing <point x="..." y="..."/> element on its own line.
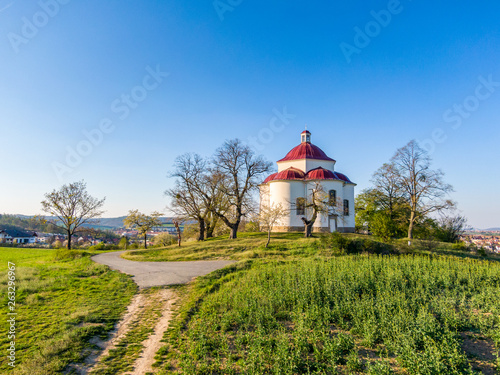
<point x="300" y="206"/>
<point x="346" y="207"/>
<point x="332" y="198"/>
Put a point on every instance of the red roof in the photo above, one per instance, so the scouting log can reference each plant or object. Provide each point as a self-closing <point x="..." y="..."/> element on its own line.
<point x="342" y="177"/>
<point x="314" y="174"/>
<point x="325" y="174"/>
<point x="270" y="178"/>
<point x="306" y="132"/>
<point x="290" y="174"/>
<point x="320" y="174"/>
<point x="306" y="151"/>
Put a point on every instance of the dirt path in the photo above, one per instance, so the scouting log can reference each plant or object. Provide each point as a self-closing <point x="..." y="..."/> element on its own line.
<point x="144" y="363"/>
<point x="150" y="309"/>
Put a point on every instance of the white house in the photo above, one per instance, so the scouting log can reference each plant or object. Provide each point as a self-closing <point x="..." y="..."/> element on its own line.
<point x="17" y="236"/>
<point x="300" y="172"/>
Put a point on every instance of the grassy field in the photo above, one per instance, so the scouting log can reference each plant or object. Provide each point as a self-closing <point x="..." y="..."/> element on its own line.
<point x="289" y="246"/>
<point x="246" y="246"/>
<point x="409" y="314"/>
<point x="62" y="300"/>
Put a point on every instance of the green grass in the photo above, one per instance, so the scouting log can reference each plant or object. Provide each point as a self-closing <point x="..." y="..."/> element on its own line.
<point x="378" y="314"/>
<point x="246" y="246"/>
<point x="62" y="300"/>
<point x="290" y="246"/>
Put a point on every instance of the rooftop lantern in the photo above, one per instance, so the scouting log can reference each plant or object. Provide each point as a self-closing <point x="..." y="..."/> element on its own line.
<point x="305" y="137"/>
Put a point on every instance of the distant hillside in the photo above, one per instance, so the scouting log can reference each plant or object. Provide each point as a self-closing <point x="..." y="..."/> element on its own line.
<point x="491" y="230"/>
<point x="27" y="223"/>
<point x="105" y="223"/>
<point x="117" y="222"/>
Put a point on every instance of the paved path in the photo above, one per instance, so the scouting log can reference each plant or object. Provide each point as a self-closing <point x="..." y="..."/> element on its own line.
<point x="148" y="274"/>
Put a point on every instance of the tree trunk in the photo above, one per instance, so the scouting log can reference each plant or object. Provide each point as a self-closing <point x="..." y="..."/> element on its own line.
<point x="234" y="230"/>
<point x="178" y="229"/>
<point x="69" y="240"/>
<point x="268" y="237"/>
<point x="201" y="235"/>
<point x="410" y="227"/>
<point x="145" y="240"/>
<point x="307" y="227"/>
<point x="211" y="227"/>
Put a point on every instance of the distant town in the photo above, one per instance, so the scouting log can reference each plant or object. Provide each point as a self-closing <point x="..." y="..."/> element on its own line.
<point x="22" y="235"/>
<point x="488" y="240"/>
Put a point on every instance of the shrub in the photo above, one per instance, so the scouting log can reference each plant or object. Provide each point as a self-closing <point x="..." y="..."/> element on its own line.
<point x="164" y="239"/>
<point x="56" y="244"/>
<point x="379" y="368"/>
<point x="64" y="254"/>
<point x="460" y="245"/>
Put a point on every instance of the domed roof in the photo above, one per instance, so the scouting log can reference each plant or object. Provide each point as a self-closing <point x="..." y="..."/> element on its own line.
<point x="289" y="174"/>
<point x="343" y="177"/>
<point x="320" y="174"/>
<point x="325" y="174"/>
<point x="270" y="178"/>
<point x="306" y="151"/>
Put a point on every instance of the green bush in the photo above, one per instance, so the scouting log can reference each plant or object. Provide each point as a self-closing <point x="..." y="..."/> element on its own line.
<point x="344" y="245"/>
<point x="65" y="254"/>
<point x="379" y="368"/>
<point x="164" y="239"/>
<point x="103" y="246"/>
<point x="460" y="246"/>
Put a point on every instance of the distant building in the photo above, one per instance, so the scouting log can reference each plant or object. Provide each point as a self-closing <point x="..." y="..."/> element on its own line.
<point x="10" y="236"/>
<point x="300" y="171"/>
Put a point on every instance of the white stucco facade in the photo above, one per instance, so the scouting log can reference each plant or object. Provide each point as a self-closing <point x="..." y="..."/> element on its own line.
<point x="304" y="169"/>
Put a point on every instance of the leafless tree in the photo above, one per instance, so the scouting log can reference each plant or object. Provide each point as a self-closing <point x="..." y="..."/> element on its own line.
<point x="269" y="215"/>
<point x="73" y="206"/>
<point x="187" y="199"/>
<point x="178" y="230"/>
<point x="240" y="172"/>
<point x="387" y="191"/>
<point x="317" y="202"/>
<point x="196" y="193"/>
<point x="422" y="187"/>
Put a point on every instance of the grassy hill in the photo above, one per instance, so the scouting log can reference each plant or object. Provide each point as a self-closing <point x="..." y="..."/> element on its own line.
<point x="333" y="305"/>
<point x="408" y="314"/>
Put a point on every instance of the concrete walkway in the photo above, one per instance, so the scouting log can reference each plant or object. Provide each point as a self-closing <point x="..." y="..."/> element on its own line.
<point x="148" y="274"/>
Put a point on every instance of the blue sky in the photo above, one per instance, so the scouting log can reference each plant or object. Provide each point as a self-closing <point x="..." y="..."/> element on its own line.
<point x="151" y="80"/>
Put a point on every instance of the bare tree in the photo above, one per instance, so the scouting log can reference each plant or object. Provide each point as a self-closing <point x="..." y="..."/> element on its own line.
<point x="317" y="202"/>
<point x="178" y="230"/>
<point x="196" y="193"/>
<point x="73" y="206"/>
<point x="387" y="191"/>
<point x="422" y="187"/>
<point x="269" y="215"/>
<point x="239" y="172"/>
<point x="143" y="223"/>
<point x="451" y="228"/>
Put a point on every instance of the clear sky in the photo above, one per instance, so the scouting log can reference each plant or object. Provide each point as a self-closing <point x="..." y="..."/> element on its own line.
<point x="147" y="81"/>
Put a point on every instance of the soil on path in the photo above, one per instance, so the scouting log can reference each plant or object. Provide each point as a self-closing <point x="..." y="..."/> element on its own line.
<point x="146" y="275"/>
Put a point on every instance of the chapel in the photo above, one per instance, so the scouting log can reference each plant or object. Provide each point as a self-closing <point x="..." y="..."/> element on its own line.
<point x="304" y="169"/>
